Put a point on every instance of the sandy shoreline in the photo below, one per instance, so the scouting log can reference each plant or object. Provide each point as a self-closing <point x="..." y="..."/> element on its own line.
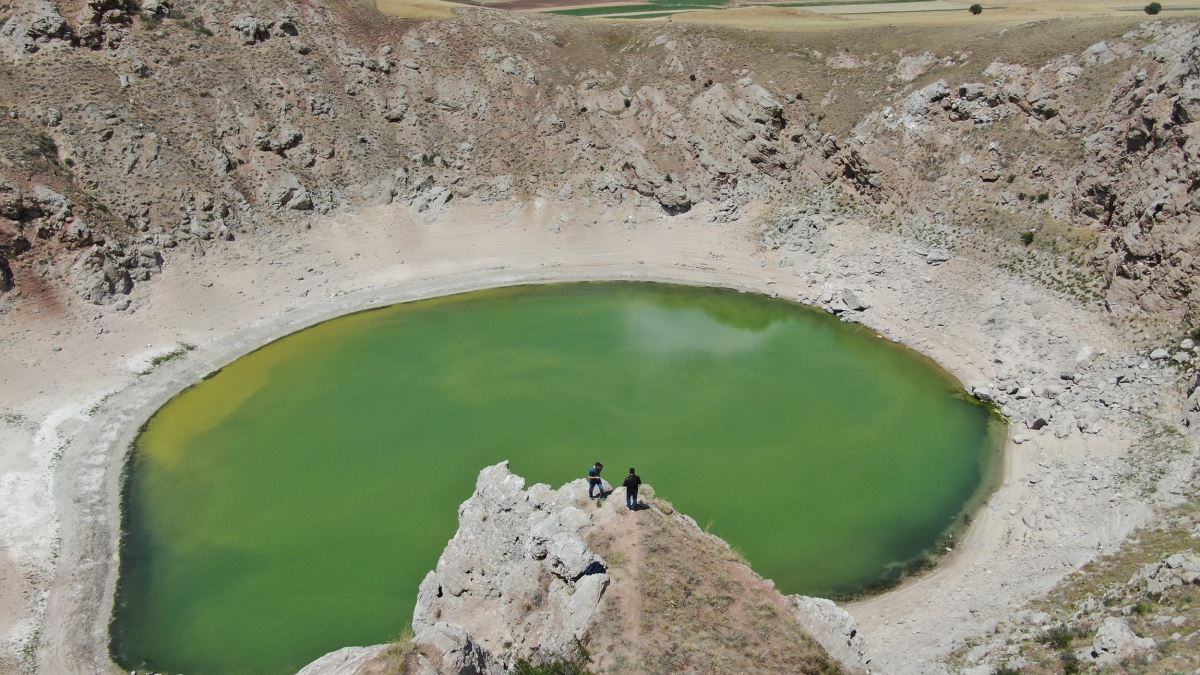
<point x="86" y="402"/>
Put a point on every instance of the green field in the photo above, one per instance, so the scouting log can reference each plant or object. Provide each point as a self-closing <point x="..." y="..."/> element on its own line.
<point x="661" y="8"/>
<point x="654" y="8"/>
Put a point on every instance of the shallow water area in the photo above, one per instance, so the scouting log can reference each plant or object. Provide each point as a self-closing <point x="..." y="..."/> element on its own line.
<point x="290" y="504"/>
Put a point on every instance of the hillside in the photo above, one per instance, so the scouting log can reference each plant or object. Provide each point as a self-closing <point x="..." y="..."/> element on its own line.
<point x="174" y="127"/>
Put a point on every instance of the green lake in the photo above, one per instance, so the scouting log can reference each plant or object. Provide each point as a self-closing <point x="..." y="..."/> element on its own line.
<point x="290" y="504"/>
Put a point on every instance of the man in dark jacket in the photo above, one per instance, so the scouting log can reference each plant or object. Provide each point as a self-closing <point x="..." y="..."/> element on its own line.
<point x="594" y="480"/>
<point x="632" y="481"/>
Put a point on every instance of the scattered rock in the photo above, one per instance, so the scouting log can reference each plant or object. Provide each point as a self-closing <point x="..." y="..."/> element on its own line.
<point x="853" y="302"/>
<point x="251" y="29"/>
<point x="937" y="257"/>
<point x="1173" y="571"/>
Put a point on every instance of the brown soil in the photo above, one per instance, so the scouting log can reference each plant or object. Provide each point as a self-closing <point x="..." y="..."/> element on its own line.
<point x="681" y="601"/>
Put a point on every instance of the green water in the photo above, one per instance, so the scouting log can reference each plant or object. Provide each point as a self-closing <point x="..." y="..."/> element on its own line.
<point x="290" y="504"/>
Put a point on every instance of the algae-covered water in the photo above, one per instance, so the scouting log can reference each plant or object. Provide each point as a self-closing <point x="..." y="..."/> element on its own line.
<point x="290" y="504"/>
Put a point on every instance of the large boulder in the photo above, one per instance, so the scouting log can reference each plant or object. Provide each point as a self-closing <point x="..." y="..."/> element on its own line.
<point x="289" y="193"/>
<point x="446" y="649"/>
<point x="251" y="29"/>
<point x="833" y="628"/>
<point x="99" y="276"/>
<point x="1114" y="642"/>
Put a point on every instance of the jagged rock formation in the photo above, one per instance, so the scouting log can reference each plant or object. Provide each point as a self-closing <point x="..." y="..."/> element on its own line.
<point x="292" y="109"/>
<point x="518" y="575"/>
<point x="1140" y="178"/>
<point x="520" y="580"/>
<point x="1129" y="173"/>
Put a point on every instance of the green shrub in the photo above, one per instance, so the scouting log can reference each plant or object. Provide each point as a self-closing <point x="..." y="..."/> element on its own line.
<point x="1059" y="637"/>
<point x="1070" y="663"/>
<point x="976" y="9"/>
<point x="1153" y="8"/>
<point x="1027" y="238"/>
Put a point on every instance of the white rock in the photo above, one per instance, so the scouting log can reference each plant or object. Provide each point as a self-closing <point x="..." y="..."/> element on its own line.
<point x="1115" y="641"/>
<point x="833" y="628"/>
<point x="345" y="661"/>
<point x="516" y="549"/>
<point x="1175" y="570"/>
<point x="853" y="302"/>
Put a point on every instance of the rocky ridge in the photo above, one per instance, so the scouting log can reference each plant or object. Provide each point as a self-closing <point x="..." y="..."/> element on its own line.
<point x="292" y="109"/>
<point x="519" y="581"/>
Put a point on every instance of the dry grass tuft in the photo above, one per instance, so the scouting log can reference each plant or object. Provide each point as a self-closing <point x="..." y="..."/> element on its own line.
<point x="394" y="659"/>
<point x="683" y="601"/>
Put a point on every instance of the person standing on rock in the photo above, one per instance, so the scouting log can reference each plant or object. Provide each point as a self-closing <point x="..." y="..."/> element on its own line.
<point x="632" y="481"/>
<point x="594" y="480"/>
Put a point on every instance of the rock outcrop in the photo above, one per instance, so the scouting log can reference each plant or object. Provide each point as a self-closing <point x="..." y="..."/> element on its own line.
<point x="1180" y="569"/>
<point x="520" y="581"/>
<point x="517" y="581"/>
<point x="833" y="628"/>
<point x="1115" y="642"/>
<point x="1139" y="179"/>
<point x="518" y="575"/>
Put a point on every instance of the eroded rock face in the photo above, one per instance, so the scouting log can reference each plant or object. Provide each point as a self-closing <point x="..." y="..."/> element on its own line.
<point x="833" y="628"/>
<point x="518" y="580"/>
<point x="518" y="575"/>
<point x="1139" y="179"/>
